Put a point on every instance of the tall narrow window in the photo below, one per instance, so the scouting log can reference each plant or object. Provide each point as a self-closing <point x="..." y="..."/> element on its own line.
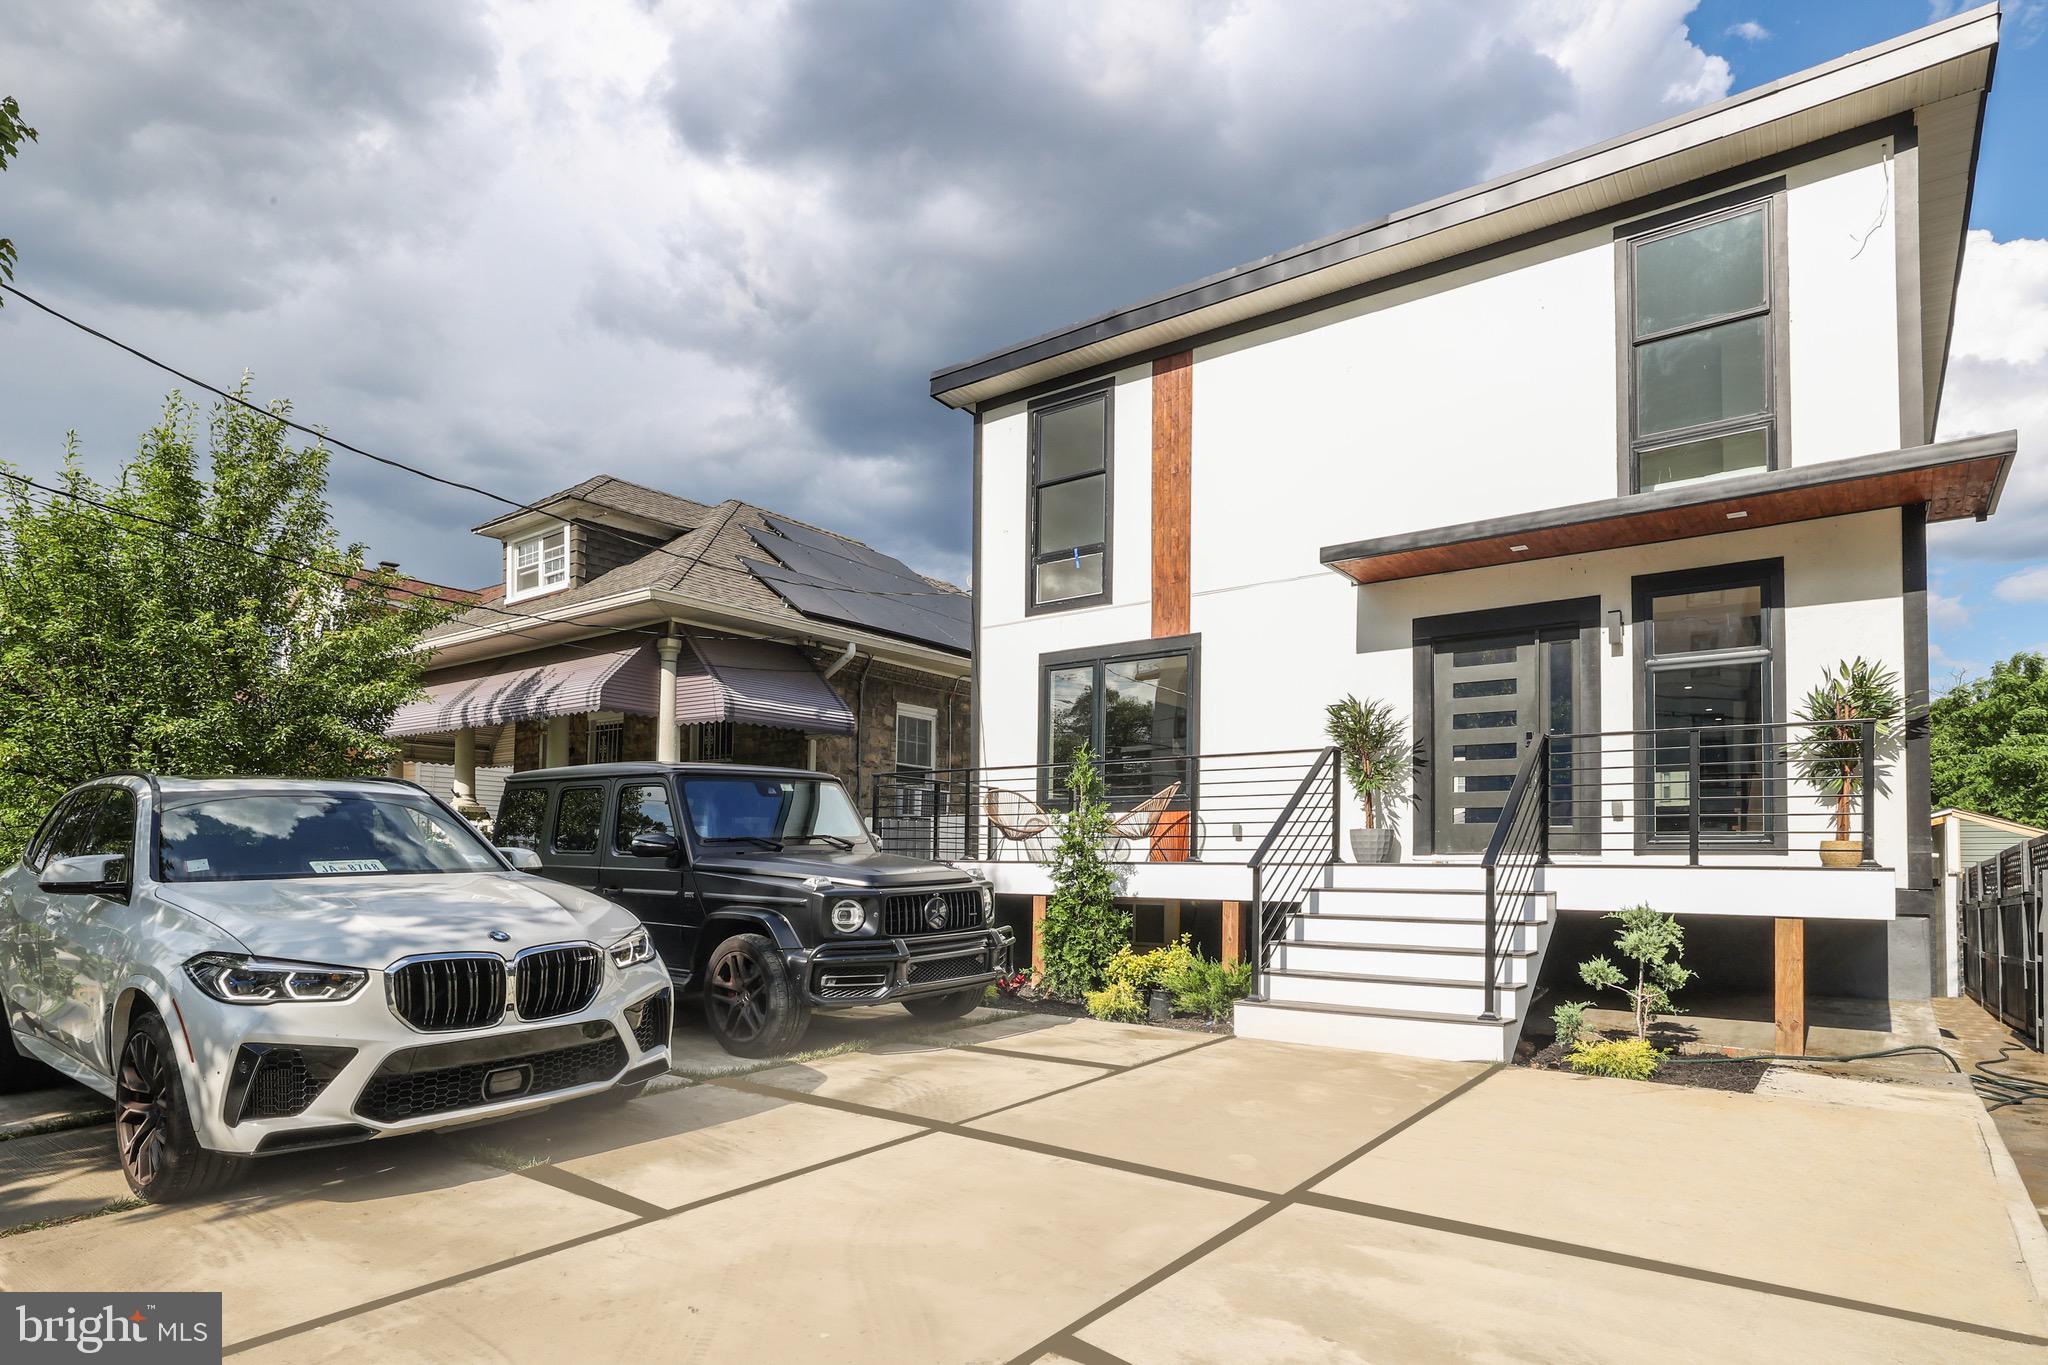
<point x="537" y="563"/>
<point x="1702" y="349"/>
<point x="1070" y="463"/>
<point x="915" y="729"/>
<point x="1707" y="667"/>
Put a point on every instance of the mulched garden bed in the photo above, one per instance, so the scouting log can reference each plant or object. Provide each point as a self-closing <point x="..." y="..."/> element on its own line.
<point x="1741" y="1076"/>
<point x="1032" y="1003"/>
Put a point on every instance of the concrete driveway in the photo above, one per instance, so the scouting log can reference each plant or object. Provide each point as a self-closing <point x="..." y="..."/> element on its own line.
<point x="1019" y="1188"/>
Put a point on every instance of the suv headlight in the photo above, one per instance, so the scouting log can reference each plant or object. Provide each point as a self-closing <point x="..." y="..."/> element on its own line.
<point x="848" y="916"/>
<point x="234" y="979"/>
<point x="632" y="950"/>
<point x="988" y="904"/>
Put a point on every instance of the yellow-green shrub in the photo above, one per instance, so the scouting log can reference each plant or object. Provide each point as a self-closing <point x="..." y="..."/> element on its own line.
<point x="1145" y="971"/>
<point x="1119" y="1000"/>
<point x="1635" y="1059"/>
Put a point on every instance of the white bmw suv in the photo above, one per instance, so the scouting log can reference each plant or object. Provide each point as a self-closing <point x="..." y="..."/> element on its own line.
<point x="257" y="965"/>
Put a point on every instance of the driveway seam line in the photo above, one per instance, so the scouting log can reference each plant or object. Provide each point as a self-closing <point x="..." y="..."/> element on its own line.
<point x="570" y="1244"/>
<point x="1532" y="1242"/>
<point x="570" y="1183"/>
<point x="1085" y="1352"/>
<point x="1092" y="1080"/>
<point x="1273" y="1205"/>
<point x="1035" y="1057"/>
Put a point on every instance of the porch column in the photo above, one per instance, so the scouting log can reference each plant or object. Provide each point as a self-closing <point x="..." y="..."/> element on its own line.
<point x="465" y="767"/>
<point x="1233" y="932"/>
<point x="1791" y="987"/>
<point x="1037" y="937"/>
<point x="666" y="648"/>
<point x="556" y="751"/>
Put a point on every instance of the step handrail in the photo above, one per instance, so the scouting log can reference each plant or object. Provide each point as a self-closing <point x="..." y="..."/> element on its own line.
<point x="1520" y="844"/>
<point x="1295" y="848"/>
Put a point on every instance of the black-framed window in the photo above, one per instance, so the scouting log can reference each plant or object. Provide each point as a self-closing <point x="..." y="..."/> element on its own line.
<point x="1071" y="452"/>
<point x="1712" y="641"/>
<point x="643" y="808"/>
<point x="1135" y="706"/>
<point x="1702" y="341"/>
<point x="579" y="814"/>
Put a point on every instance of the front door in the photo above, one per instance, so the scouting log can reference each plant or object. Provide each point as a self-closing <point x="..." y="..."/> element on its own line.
<point x="1494" y="694"/>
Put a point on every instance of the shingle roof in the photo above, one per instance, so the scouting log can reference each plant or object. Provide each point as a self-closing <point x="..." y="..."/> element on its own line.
<point x="622" y="495"/>
<point x="703" y="562"/>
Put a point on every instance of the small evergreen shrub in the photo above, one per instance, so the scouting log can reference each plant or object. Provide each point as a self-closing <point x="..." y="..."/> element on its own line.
<point x="1208" y="988"/>
<point x="1084" y="927"/>
<point x="1569" y="1019"/>
<point x="1119" y="1001"/>
<point x="1654" y="942"/>
<point x="1634" y="1059"/>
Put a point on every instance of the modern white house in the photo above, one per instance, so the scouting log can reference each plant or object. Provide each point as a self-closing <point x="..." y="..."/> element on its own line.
<point x="1590" y="471"/>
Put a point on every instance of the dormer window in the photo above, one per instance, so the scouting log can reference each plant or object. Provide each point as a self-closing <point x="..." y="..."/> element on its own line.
<point x="539" y="563"/>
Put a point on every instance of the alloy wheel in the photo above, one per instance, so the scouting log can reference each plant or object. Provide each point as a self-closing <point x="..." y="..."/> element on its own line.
<point x="739" y="991"/>
<point x="142" y="1107"/>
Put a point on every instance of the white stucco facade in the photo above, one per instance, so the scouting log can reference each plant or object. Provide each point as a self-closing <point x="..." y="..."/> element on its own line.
<point x="1480" y="392"/>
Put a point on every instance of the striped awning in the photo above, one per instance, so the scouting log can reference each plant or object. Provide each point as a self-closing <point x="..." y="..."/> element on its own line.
<point x="559" y="681"/>
<point x="756" y="682"/>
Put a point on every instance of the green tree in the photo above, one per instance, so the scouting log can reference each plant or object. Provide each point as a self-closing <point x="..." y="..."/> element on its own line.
<point x="1988" y="742"/>
<point x="136" y="635"/>
<point x="13" y="132"/>
<point x="1654" y="942"/>
<point x="1083" y="926"/>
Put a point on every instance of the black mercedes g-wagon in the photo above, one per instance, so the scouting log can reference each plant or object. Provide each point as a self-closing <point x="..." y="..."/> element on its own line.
<point x="763" y="888"/>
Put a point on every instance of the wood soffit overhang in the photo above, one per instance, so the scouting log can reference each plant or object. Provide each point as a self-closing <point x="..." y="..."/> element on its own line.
<point x="1955" y="479"/>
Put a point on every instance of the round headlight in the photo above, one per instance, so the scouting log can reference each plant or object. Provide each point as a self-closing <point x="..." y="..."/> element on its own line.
<point x="848" y="916"/>
<point x="988" y="905"/>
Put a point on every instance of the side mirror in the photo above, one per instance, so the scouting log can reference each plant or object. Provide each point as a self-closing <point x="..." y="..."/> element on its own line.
<point x="89" y="874"/>
<point x="654" y="844"/>
<point x="524" y="859"/>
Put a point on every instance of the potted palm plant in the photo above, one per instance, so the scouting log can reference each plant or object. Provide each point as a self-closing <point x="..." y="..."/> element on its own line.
<point x="1373" y="746"/>
<point x="1827" y="751"/>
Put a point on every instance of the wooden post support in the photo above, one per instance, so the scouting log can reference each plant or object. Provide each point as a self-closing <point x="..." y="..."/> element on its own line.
<point x="1233" y="931"/>
<point x="1037" y="937"/>
<point x="1791" y="987"/>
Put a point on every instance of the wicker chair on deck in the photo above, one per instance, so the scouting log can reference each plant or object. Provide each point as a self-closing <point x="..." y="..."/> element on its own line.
<point x="1015" y="816"/>
<point x="1141" y="821"/>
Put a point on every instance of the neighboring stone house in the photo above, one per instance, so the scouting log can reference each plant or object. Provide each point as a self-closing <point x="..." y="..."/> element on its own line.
<point x="632" y="624"/>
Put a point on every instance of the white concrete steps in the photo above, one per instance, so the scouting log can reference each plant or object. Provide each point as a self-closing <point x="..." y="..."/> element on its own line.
<point x="1393" y="959"/>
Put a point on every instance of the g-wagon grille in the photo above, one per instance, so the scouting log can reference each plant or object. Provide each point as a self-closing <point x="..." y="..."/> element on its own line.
<point x="438" y="994"/>
<point x="906" y="914"/>
<point x="948" y="968"/>
<point x="556" y="981"/>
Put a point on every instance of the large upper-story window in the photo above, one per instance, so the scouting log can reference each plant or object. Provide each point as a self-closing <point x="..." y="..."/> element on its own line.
<point x="537" y="563"/>
<point x="1702" y="348"/>
<point x="1070" y="470"/>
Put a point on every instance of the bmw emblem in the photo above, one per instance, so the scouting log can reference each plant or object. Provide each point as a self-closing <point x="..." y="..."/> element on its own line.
<point x="500" y="936"/>
<point x="935" y="912"/>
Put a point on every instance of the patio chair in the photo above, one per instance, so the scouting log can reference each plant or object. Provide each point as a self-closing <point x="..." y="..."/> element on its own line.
<point x="1015" y="816"/>
<point x="1137" y="824"/>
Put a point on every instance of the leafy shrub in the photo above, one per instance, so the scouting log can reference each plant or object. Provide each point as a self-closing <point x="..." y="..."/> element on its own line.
<point x="1570" y="1021"/>
<point x="1654" y="942"/>
<point x="1634" y="1059"/>
<point x="1208" y="988"/>
<point x="1147" y="970"/>
<point x="1084" y="927"/>
<point x="1119" y="1001"/>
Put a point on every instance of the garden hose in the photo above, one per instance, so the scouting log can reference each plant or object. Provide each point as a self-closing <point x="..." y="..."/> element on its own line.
<point x="1996" y="1089"/>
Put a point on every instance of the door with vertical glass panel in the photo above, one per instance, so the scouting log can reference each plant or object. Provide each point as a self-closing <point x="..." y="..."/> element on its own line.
<point x="1493" y="696"/>
<point x="1488" y="709"/>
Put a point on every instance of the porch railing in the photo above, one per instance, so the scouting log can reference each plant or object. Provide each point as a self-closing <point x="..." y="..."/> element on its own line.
<point x="1727" y="790"/>
<point x="1302" y="843"/>
<point x="1197" y="808"/>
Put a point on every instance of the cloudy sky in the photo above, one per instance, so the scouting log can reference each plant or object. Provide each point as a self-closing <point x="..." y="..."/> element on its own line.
<point x="718" y="248"/>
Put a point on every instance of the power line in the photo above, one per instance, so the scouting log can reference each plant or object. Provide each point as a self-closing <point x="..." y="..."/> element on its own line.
<point x="515" y="504"/>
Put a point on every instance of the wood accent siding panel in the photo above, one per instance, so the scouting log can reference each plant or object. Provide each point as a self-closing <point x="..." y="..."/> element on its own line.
<point x="1173" y="415"/>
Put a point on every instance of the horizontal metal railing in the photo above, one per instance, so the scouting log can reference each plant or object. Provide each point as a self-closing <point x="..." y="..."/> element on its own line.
<point x="1197" y="808"/>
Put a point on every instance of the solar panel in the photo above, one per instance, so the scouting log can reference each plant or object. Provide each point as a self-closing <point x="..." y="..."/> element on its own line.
<point x="830" y="579"/>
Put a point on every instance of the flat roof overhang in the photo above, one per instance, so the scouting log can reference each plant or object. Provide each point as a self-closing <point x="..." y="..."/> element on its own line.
<point x="1956" y="479"/>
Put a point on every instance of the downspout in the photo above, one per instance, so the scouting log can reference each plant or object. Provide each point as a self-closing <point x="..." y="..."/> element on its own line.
<point x="842" y="661"/>
<point x="860" y="720"/>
